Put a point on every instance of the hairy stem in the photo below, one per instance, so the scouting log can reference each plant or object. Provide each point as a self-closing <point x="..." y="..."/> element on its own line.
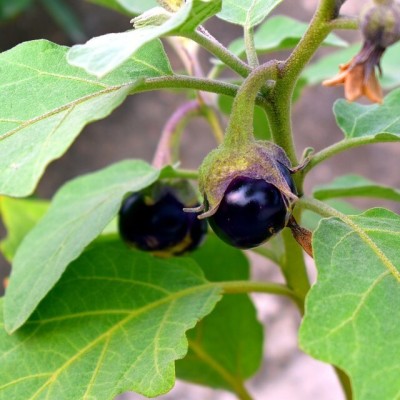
<point x="208" y="42"/>
<point x="251" y="52"/>
<point x="344" y="22"/>
<point x="279" y="114"/>
<point x="337" y="148"/>
<point x="187" y="82"/>
<point x="240" y="126"/>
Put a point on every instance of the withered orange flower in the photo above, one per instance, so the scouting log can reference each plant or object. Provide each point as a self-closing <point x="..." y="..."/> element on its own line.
<point x="358" y="76"/>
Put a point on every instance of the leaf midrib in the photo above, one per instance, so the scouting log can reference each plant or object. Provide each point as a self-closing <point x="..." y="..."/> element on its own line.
<point x="133" y="314"/>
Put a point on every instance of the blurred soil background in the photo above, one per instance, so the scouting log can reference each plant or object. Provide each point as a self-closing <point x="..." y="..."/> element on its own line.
<point x="132" y="131"/>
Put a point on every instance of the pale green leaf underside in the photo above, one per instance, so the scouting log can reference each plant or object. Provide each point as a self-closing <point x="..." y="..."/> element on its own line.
<point x="379" y="121"/>
<point x="101" y="55"/>
<point x="225" y="348"/>
<point x="247" y="12"/>
<point x="80" y="211"/>
<point x="114" y="322"/>
<point x="353" y="311"/>
<point x="45" y="103"/>
<point x="328" y="66"/>
<point x="355" y="186"/>
<point x="130" y="7"/>
<point x="280" y="33"/>
<point x="19" y="216"/>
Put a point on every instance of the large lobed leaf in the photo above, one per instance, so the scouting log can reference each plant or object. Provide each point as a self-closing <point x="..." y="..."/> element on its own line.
<point x="101" y="55"/>
<point x="380" y="122"/>
<point x="354" y="185"/>
<point x="247" y="12"/>
<point x="45" y="103"/>
<point x="225" y="348"/>
<point x="80" y="211"/>
<point x="353" y="311"/>
<point x="116" y="321"/>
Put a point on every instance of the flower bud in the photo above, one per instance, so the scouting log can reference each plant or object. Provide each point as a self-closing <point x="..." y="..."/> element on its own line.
<point x="380" y="22"/>
<point x="154" y="17"/>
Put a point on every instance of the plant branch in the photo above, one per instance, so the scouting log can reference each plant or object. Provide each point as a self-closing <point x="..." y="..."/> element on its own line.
<point x="187" y="82"/>
<point x="344" y="22"/>
<point x="236" y="287"/>
<point x="279" y="110"/>
<point x="294" y="268"/>
<point x="208" y="42"/>
<point x="240" y="126"/>
<point x="251" y="52"/>
<point x="337" y="148"/>
<point x="164" y="153"/>
<point x="212" y="119"/>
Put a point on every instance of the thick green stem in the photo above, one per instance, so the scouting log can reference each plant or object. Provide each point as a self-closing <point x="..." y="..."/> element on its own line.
<point x="240" y="126"/>
<point x="279" y="115"/>
<point x="187" y="82"/>
<point x="208" y="42"/>
<point x="278" y="108"/>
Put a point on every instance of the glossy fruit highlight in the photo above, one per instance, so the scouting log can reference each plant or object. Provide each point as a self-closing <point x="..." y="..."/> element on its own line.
<point x="154" y="221"/>
<point x="251" y="212"/>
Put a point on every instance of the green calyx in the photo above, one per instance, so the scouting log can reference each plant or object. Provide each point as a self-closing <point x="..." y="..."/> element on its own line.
<point x="241" y="154"/>
<point x="255" y="159"/>
<point x="380" y="22"/>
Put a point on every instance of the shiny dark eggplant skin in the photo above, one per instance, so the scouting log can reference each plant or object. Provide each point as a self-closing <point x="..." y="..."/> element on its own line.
<point x="250" y="213"/>
<point x="161" y="226"/>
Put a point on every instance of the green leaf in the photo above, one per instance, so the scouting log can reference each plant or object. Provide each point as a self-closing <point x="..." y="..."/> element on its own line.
<point x="380" y="122"/>
<point x="101" y="55"/>
<point x="280" y="33"/>
<point x="11" y="8"/>
<point x="45" y="103"/>
<point x="354" y="185"/>
<point x="129" y="7"/>
<point x="247" y="12"/>
<point x="328" y="66"/>
<point x="80" y="211"/>
<point x="19" y="217"/>
<point x="261" y="124"/>
<point x="353" y="311"/>
<point x="225" y="348"/>
<point x="116" y="321"/>
<point x="311" y="220"/>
